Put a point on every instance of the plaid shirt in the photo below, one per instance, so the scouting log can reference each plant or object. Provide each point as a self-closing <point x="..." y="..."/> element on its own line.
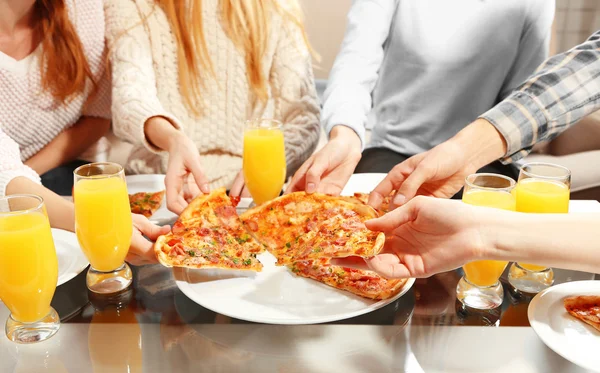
<point x="562" y="91"/>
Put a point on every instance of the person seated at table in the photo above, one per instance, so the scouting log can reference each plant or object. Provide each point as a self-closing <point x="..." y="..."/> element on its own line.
<point x="55" y="91"/>
<point x="17" y="178"/>
<point x="53" y="88"/>
<point x="430" y="235"/>
<point x="206" y="69"/>
<point x="416" y="72"/>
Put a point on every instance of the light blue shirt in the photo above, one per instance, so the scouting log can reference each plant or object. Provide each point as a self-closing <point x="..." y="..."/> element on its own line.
<point x="418" y="71"/>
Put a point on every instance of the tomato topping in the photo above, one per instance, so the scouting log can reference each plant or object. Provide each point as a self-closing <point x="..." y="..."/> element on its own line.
<point x="174" y="241"/>
<point x="203" y="231"/>
<point x="235" y="200"/>
<point x="226" y="211"/>
<point x="252" y="225"/>
<point x="178" y="228"/>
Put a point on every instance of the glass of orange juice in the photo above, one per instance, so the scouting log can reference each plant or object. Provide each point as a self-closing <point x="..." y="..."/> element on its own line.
<point x="543" y="188"/>
<point x="264" y="159"/>
<point x="28" y="269"/>
<point x="480" y="286"/>
<point x="103" y="225"/>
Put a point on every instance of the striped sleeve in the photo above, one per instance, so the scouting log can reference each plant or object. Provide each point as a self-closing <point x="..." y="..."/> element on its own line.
<point x="562" y="91"/>
<point x="11" y="166"/>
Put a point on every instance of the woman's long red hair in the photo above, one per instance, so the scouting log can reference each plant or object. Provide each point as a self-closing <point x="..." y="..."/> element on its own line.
<point x="65" y="68"/>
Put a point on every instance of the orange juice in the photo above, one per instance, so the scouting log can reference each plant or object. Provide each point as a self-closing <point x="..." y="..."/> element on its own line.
<point x="103" y="221"/>
<point x="541" y="196"/>
<point x="28" y="265"/>
<point x="115" y="341"/>
<point x="264" y="163"/>
<point x="487" y="272"/>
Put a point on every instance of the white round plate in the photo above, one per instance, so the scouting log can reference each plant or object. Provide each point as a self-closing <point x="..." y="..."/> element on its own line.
<point x="567" y="336"/>
<point x="362" y="183"/>
<point x="273" y="296"/>
<point x="71" y="260"/>
<point x="151" y="184"/>
<point x="276" y="296"/>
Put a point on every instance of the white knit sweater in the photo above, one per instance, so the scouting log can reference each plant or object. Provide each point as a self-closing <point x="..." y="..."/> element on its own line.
<point x="143" y="55"/>
<point x="10" y="163"/>
<point x="32" y="117"/>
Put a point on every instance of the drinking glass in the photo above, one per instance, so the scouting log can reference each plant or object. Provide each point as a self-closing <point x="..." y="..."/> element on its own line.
<point x="542" y="188"/>
<point x="103" y="225"/>
<point x="480" y="286"/>
<point x="28" y="269"/>
<point x="264" y="159"/>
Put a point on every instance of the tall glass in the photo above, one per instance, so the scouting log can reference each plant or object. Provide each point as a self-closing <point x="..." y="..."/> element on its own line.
<point x="28" y="269"/>
<point x="542" y="188"/>
<point x="480" y="286"/>
<point x="264" y="159"/>
<point x="103" y="225"/>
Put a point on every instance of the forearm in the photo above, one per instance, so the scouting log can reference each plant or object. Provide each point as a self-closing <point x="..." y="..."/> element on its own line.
<point x="161" y="133"/>
<point x="60" y="211"/>
<point x="70" y="144"/>
<point x="481" y="142"/>
<point x="568" y="241"/>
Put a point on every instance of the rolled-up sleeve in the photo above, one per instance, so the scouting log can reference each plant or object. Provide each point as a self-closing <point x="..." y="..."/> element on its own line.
<point x="563" y="90"/>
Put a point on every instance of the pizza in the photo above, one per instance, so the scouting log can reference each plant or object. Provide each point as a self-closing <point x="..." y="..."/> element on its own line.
<point x="205" y="239"/>
<point x="281" y="224"/>
<point x="146" y="203"/>
<point x="363" y="283"/>
<point x="385" y="205"/>
<point x="585" y="308"/>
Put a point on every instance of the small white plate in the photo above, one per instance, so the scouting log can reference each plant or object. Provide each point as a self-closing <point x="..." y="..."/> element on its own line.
<point x="151" y="184"/>
<point x="71" y="260"/>
<point x="276" y="296"/>
<point x="567" y="336"/>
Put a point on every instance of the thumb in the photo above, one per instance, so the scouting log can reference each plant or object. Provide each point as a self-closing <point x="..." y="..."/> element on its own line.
<point x="394" y="219"/>
<point x="150" y="230"/>
<point x="314" y="174"/>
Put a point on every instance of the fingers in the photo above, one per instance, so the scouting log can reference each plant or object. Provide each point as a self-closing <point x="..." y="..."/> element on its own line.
<point x="174" y="186"/>
<point x="298" y="181"/>
<point x="391" y="182"/>
<point x="141" y="251"/>
<point x="411" y="185"/>
<point x="237" y="186"/>
<point x="314" y="173"/>
<point x="393" y="219"/>
<point x="355" y="262"/>
<point x="148" y="229"/>
<point x="198" y="173"/>
<point x="388" y="266"/>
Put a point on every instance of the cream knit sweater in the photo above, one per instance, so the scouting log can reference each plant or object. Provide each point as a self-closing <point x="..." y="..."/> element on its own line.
<point x="143" y="55"/>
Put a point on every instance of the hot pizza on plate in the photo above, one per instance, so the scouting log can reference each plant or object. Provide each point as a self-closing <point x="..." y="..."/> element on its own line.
<point x="303" y="231"/>
<point x="146" y="203"/>
<point x="585" y="308"/>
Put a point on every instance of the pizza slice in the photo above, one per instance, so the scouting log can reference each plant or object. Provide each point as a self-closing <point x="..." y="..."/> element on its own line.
<point x="585" y="308"/>
<point x="362" y="283"/>
<point x="195" y="208"/>
<point x="146" y="203"/>
<point x="281" y="223"/>
<point x="341" y="236"/>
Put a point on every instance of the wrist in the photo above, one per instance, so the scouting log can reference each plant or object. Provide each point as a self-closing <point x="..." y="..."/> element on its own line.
<point x="482" y="143"/>
<point x="161" y="133"/>
<point x="346" y="134"/>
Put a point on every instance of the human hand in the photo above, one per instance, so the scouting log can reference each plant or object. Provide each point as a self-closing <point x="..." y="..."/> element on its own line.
<point x="141" y="251"/>
<point x="427" y="236"/>
<point x="328" y="170"/>
<point x="238" y="188"/>
<point x="185" y="178"/>
<point x="441" y="171"/>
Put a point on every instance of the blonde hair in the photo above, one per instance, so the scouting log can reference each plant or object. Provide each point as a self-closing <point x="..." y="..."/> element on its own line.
<point x="247" y="24"/>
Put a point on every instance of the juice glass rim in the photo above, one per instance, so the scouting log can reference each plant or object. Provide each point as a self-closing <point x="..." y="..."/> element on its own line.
<point x="29" y="210"/>
<point x="251" y="124"/>
<point x="119" y="171"/>
<point x="471" y="185"/>
<point x="530" y="174"/>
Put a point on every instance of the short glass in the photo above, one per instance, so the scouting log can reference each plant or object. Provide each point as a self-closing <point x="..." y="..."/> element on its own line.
<point x="264" y="159"/>
<point x="542" y="188"/>
<point x="103" y="225"/>
<point x="28" y="269"/>
<point x="480" y="287"/>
